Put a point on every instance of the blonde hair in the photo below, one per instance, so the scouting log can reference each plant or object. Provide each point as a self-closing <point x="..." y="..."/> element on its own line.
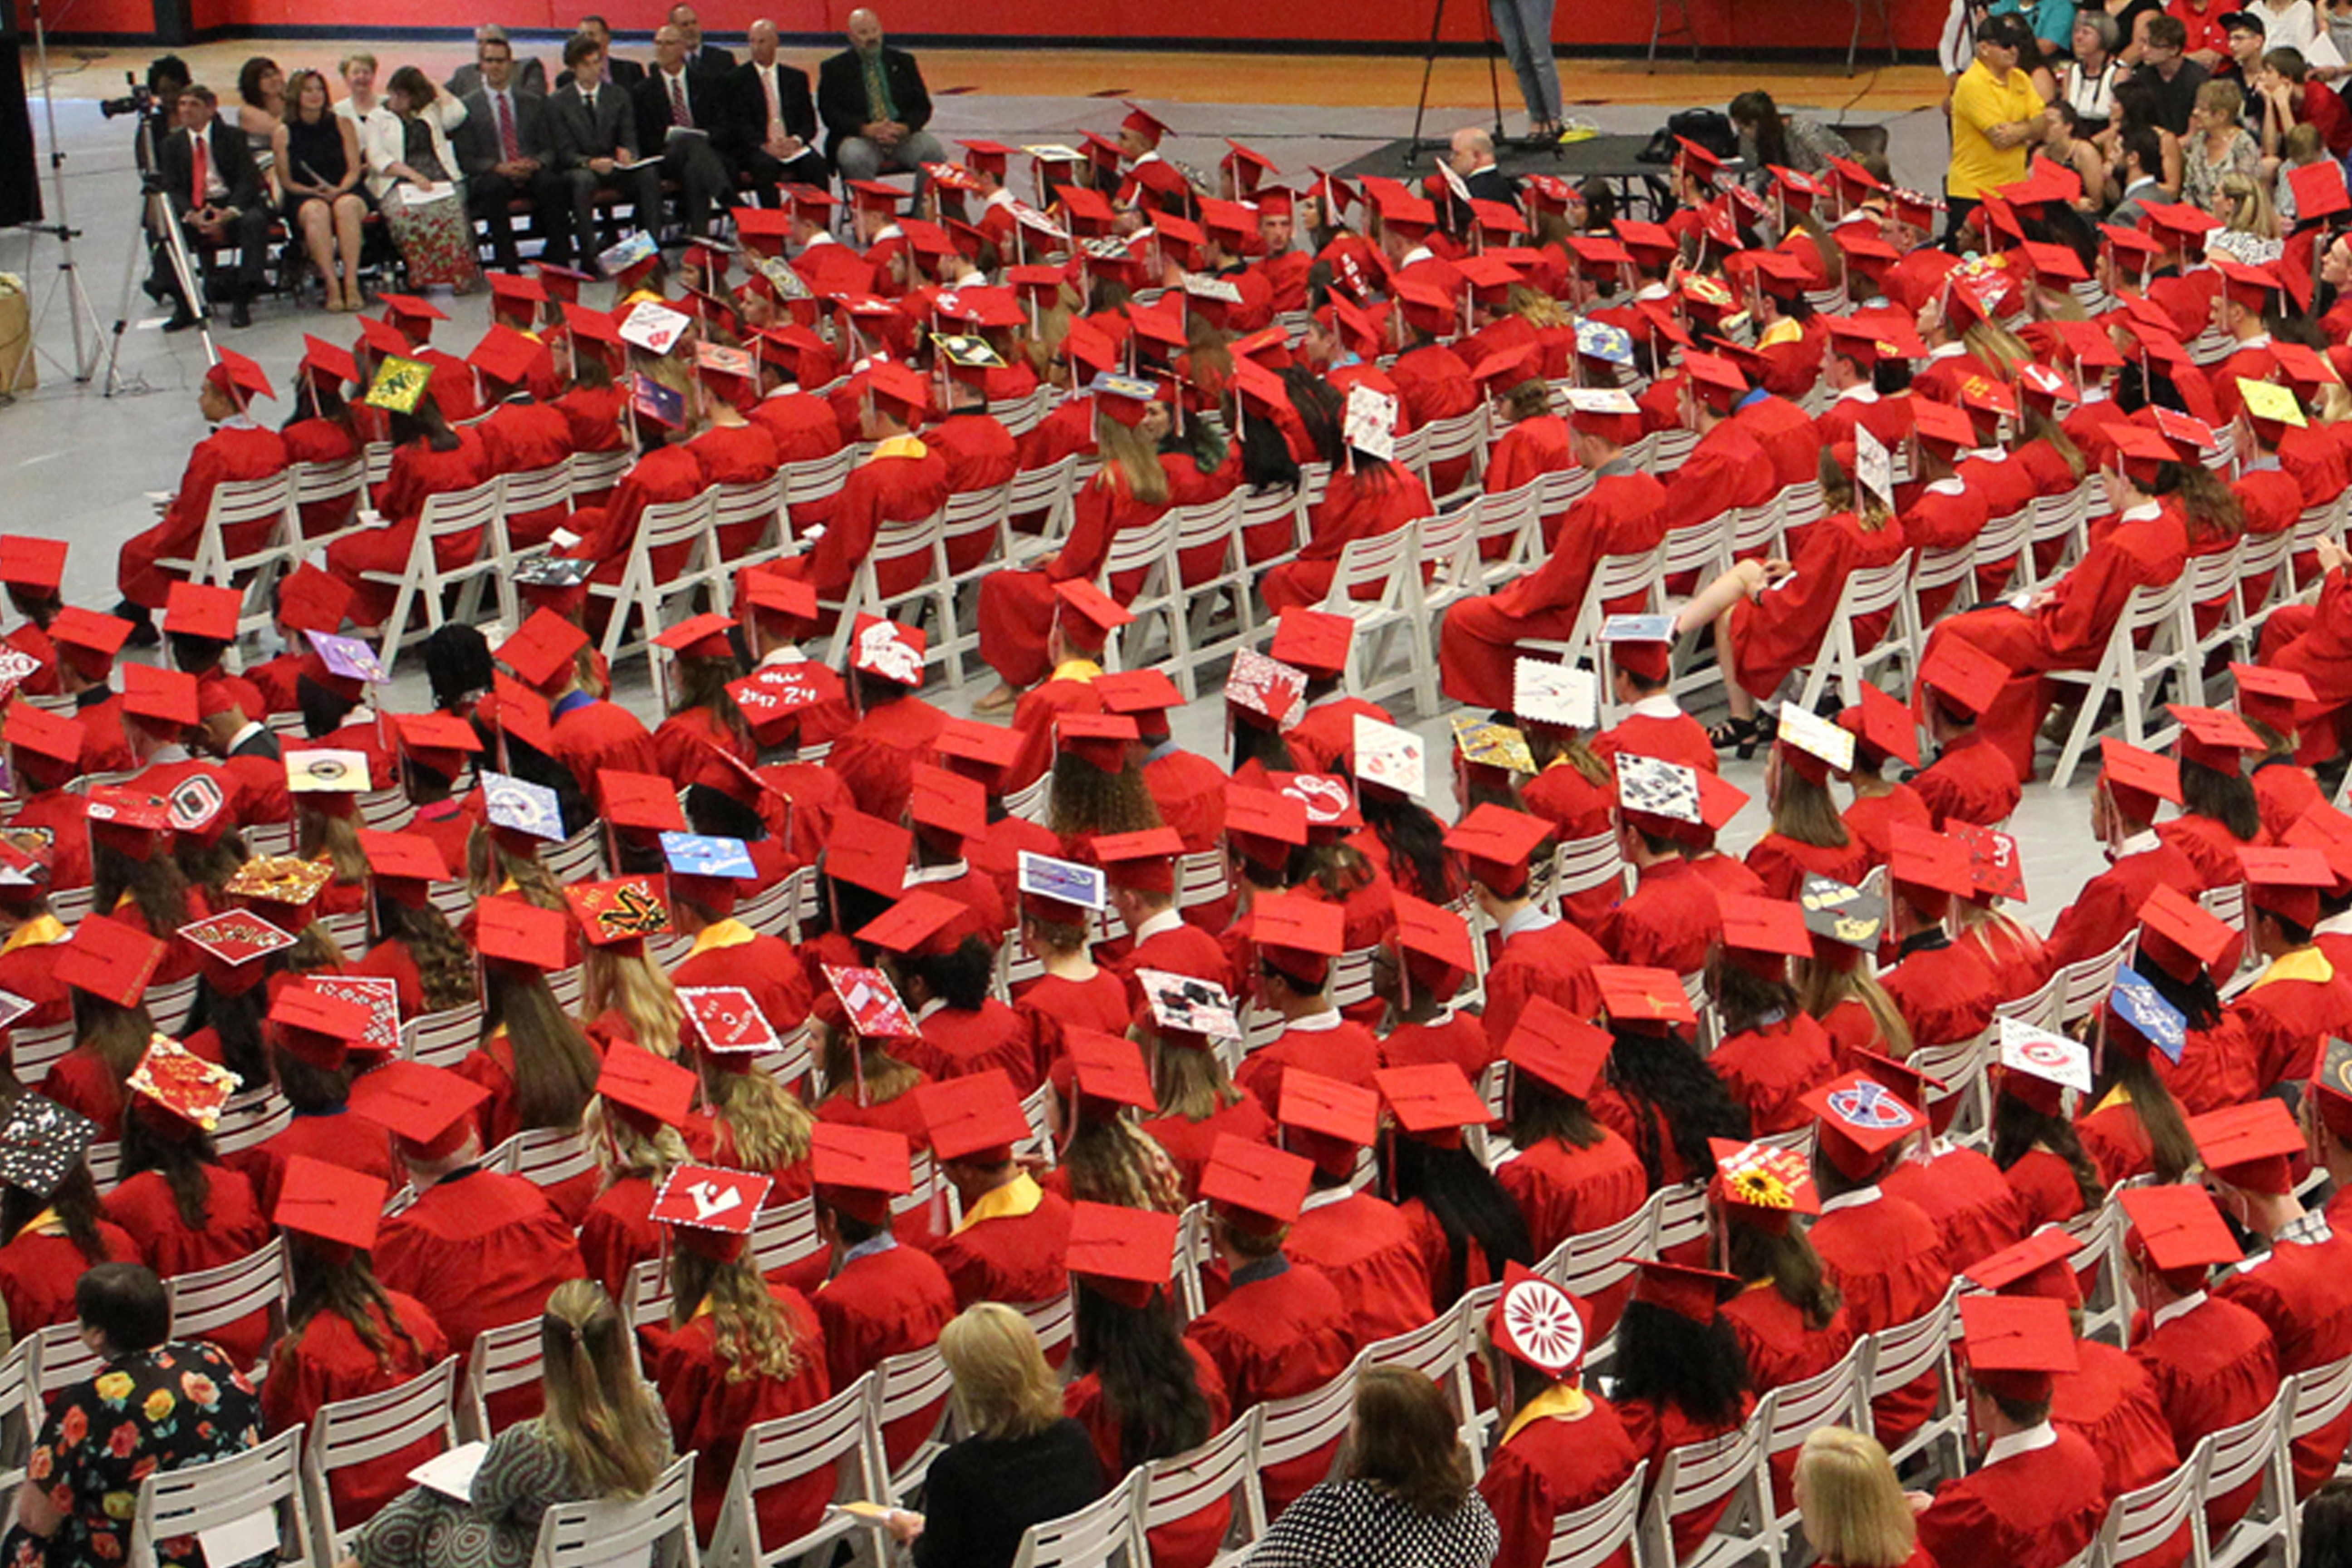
<point x="771" y="1128"/>
<point x="1853" y="1508"/>
<point x="601" y="1418"/>
<point x="2250" y="207"/>
<point x="1188" y="1083"/>
<point x="748" y="1325"/>
<point x="1003" y="1384"/>
<point x="639" y="990"/>
<point x="624" y="1147"/>
<point x="1821" y="987"/>
<point x="332" y="837"/>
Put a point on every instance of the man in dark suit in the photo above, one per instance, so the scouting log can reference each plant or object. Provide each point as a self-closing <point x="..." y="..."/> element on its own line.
<point x="623" y="74"/>
<point x="506" y="151"/>
<point x="596" y="131"/>
<point x="216" y="192"/>
<point x="700" y="58"/>
<point x="874" y="105"/>
<point x="775" y="120"/>
<point x="684" y="116"/>
<point x="530" y="76"/>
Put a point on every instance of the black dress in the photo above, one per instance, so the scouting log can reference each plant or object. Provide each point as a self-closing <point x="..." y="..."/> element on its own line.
<point x="984" y="1492"/>
<point x="314" y="156"/>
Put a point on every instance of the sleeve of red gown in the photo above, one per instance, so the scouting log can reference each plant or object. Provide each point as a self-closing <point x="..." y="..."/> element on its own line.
<point x="848" y="533"/>
<point x="2085" y="603"/>
<point x="183" y="517"/>
<point x="1088" y="543"/>
<point x="613" y="525"/>
<point x="1520" y="1500"/>
<point x="1790" y="619"/>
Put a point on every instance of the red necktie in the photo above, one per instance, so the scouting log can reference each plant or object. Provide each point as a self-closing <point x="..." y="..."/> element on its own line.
<point x="203" y="165"/>
<point x="507" y="131"/>
<point x="677" y="114"/>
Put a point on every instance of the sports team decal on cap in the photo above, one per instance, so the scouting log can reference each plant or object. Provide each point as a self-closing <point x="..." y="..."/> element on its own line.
<point x="327" y="773"/>
<point x="1264" y="685"/>
<point x="728" y="1018"/>
<point x="2025" y="1048"/>
<point x="195" y="803"/>
<point x="1871" y="1107"/>
<point x="709" y="1198"/>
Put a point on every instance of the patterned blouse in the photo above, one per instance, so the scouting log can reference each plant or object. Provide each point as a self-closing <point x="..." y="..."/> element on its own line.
<point x="1354" y="1525"/>
<point x="177" y="1404"/>
<point x="522" y="1476"/>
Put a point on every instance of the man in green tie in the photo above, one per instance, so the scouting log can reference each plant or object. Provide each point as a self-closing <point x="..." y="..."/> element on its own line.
<point x="872" y="101"/>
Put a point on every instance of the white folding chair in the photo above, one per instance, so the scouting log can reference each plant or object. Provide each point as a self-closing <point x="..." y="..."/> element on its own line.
<point x="1700" y="1475"/>
<point x="741" y="506"/>
<point x="2321" y="1395"/>
<point x="207" y="1300"/>
<point x="1870" y="590"/>
<point x="1788" y="1414"/>
<point x="38" y="1050"/>
<point x="422" y="581"/>
<point x="1900" y="1356"/>
<point x="20" y="1407"/>
<point x="2131" y="673"/>
<point x="62" y="1360"/>
<point x="546" y="1156"/>
<point x="1389" y="566"/>
<point x="195" y="1499"/>
<point x="1174" y="1490"/>
<point x="324" y="485"/>
<point x="1198" y="530"/>
<point x="1096" y="1536"/>
<point x="784" y="1234"/>
<point x="1055" y="1320"/>
<point x="657" y="1530"/>
<point x="1451" y="439"/>
<point x="1304" y="1424"/>
<point x="831" y="1437"/>
<point x="443" y="1039"/>
<point x="594" y="475"/>
<point x="1593" y="1535"/>
<point x="1679" y="1217"/>
<point x="664" y="528"/>
<point x="503" y="1357"/>
<point x="1144" y="553"/>
<point x="1964" y="1066"/>
<point x="1439" y="1349"/>
<point x="2143" y="1520"/>
<point x="345" y="1433"/>
<point x="2085" y="983"/>
<point x="2253" y="1451"/>
<point x="912" y="539"/>
<point x="2098" y="1235"/>
<point x="242" y="503"/>
<point x="904" y="1388"/>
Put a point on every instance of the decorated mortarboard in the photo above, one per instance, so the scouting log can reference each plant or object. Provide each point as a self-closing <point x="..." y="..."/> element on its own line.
<point x="1368" y="424"/>
<point x="1537" y="1323"/>
<point x="870" y="1002"/>
<point x="1631" y="993"/>
<point x="1655" y="787"/>
<point x="520" y="806"/>
<point x="627" y="909"/>
<point x="40" y="1144"/>
<point x="349" y="657"/>
<point x="631" y="250"/>
<point x="2331" y="1086"/>
<point x="399" y="384"/>
<point x="2269" y="401"/>
<point x="182" y="1082"/>
<point x="1062" y="881"/>
<point x="1264" y="686"/>
<point x="377" y="996"/>
<point x="710" y="1199"/>
<point x="326" y="770"/>
<point x="2136" y="1002"/>
<point x="236" y="937"/>
<point x="1545" y="691"/>
<point x="1605" y="343"/>
<point x="727" y="1019"/>
<point x="287" y="880"/>
<point x="550" y="570"/>
<point x="2053" y="1058"/>
<point x="1188" y="1004"/>
<point x="1485" y="743"/>
<point x="1995" y="869"/>
<point x="1819" y="744"/>
<point x="887" y="650"/>
<point x="707" y="855"/>
<point x="1388" y="757"/>
<point x="1764" y="1178"/>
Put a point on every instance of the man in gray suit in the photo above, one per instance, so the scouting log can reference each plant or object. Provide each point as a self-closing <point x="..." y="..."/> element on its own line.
<point x="596" y="146"/>
<point x="508" y="151"/>
<point x="530" y="75"/>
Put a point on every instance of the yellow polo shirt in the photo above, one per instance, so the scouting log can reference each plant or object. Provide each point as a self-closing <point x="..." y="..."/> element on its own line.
<point x="1980" y="102"/>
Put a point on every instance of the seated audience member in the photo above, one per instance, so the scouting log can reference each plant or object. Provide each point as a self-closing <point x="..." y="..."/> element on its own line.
<point x="874" y="105"/>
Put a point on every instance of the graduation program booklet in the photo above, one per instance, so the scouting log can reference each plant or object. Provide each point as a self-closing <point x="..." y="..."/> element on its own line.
<point x="451" y="1471"/>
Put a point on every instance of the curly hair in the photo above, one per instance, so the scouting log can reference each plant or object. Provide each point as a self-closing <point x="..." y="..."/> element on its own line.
<point x="1664" y="1074"/>
<point x="771" y="1129"/>
<point x="1111" y="1160"/>
<point x="1667" y="1359"/>
<point x="625" y="1149"/>
<point x="748" y="1326"/>
<point x="639" y="990"/>
<point x="1469" y="1205"/>
<point x="444" y="964"/>
<point x="1084" y="801"/>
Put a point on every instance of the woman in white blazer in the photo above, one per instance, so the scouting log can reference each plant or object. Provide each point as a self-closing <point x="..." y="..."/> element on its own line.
<point x="414" y="176"/>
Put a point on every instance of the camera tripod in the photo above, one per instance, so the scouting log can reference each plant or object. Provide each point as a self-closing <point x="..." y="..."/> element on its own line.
<point x="159" y="218"/>
<point x="78" y="306"/>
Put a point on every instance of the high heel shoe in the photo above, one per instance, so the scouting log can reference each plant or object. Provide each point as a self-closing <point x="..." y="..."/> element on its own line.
<point x="1737" y="735"/>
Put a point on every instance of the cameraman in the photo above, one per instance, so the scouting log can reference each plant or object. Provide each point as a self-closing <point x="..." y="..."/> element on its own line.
<point x="157" y="105"/>
<point x="214" y="187"/>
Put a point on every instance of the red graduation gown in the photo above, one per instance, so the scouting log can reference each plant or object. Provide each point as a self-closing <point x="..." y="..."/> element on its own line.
<point x="1782" y="1348"/>
<point x="1944" y="989"/>
<point x="234" y="1227"/>
<point x="1188" y="1144"/>
<point x="1972" y="781"/>
<point x="902" y="480"/>
<point x="328" y="1362"/>
<point x="731" y="953"/>
<point x="2297" y="1002"/>
<point x="1623" y="514"/>
<point x="955" y="1043"/>
<point x="1670" y="921"/>
<point x="1184" y="949"/>
<point x="480" y="1250"/>
<point x="1363" y="502"/>
<point x="1967" y="1197"/>
<point x="1016" y="1258"/>
<point x="618" y="1233"/>
<point x="2032" y="1510"/>
<point x="1189" y="1543"/>
<point x="1452" y="1036"/>
<point x="2045" y="1188"/>
<point x="1675" y="738"/>
<point x="2213" y="1366"/>
<point x="1563" y="1191"/>
<point x="880" y="1305"/>
<point x="1555" y="1464"/>
<point x="1886" y="1258"/>
<point x="518" y="437"/>
<point x="1872" y="819"/>
<point x="2110" y="1401"/>
<point x="2107" y="909"/>
<point x="1725" y="469"/>
<point x="2303" y="1292"/>
<point x="1278" y="1334"/>
<point x="235" y="451"/>
<point x="1781" y="631"/>
<point x="1346" y="1051"/>
<point x="1016" y="609"/>
<point x="1782" y="863"/>
<point x="1769" y="1067"/>
<point x="1555" y="961"/>
<point x="876" y="758"/>
<point x="1366" y="1248"/>
<point x="1190" y="790"/>
<point x="710" y="1410"/>
<point x="37" y="1271"/>
<point x="1656" y="1431"/>
<point x="418" y="473"/>
<point x="338" y="1137"/>
<point x="596" y="735"/>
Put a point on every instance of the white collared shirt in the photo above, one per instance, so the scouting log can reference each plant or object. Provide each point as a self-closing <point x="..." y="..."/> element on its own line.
<point x="1315" y="1023"/>
<point x="1534" y="917"/>
<point x="2139" y="844"/>
<point x="1326" y="1198"/>
<point x="1950" y="485"/>
<point x="1418" y="253"/>
<point x="1866" y="392"/>
<point x="930" y="1007"/>
<point x="1947" y="350"/>
<point x="1659" y="706"/>
<point x="1856" y="1199"/>
<point x="2180" y="1308"/>
<point x="922" y="876"/>
<point x="2146" y="511"/>
<point x="2033" y="1440"/>
<point x="1167" y="920"/>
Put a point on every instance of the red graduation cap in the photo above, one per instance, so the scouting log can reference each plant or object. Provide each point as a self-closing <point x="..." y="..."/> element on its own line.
<point x="1087" y="615"/>
<point x="867" y="852"/>
<point x="710" y="1210"/>
<point x="1143" y="122"/>
<point x="949" y="804"/>
<point x="1687" y="1292"/>
<point x="1762" y="1184"/>
<point x="2018" y="1344"/>
<point x="508" y="930"/>
<point x="1145" y="862"/>
<point x="2182" y="936"/>
<point x="238" y="378"/>
<point x="163" y="696"/>
<point x="702" y="636"/>
<point x="921" y="924"/>
<point x="1298" y="936"/>
<point x="329" y="1202"/>
<point x="976" y="1118"/>
<point x="2136" y="779"/>
<point x="315" y="1026"/>
<point x="1125" y="1254"/>
<point x="1313" y="640"/>
<point x="1256" y="1189"/>
<point x="1327" y="1120"/>
<point x="1557" y="1046"/>
<point x="858" y="1170"/>
<point x="108" y="960"/>
<point x="1144" y="695"/>
<point x="430" y="1109"/>
<point x="1107" y="1069"/>
<point x="1763" y="934"/>
<point x="645" y="1087"/>
<point x="201" y="610"/>
<point x="90" y="638"/>
<point x="1433" y="1102"/>
<point x="2041" y="1265"/>
<point x="2252" y="1147"/>
<point x="1931" y="868"/>
<point x="38" y="564"/>
<point x="1100" y="739"/>
<point x="1434" y="943"/>
<point x="1966" y="675"/>
<point x="1861" y="1119"/>
<point x="540" y="651"/>
<point x="1496" y="844"/>
<point x="1638" y="997"/>
<point x="2177" y="1230"/>
<point x="2214" y="738"/>
<point x="2286" y="880"/>
<point x="1884" y="725"/>
<point x="646" y="803"/>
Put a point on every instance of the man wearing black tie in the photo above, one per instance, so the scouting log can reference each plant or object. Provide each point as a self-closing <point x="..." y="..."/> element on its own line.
<point x="506" y="151"/>
<point x="677" y="113"/>
<point x="596" y="145"/>
<point x="774" y="120"/>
